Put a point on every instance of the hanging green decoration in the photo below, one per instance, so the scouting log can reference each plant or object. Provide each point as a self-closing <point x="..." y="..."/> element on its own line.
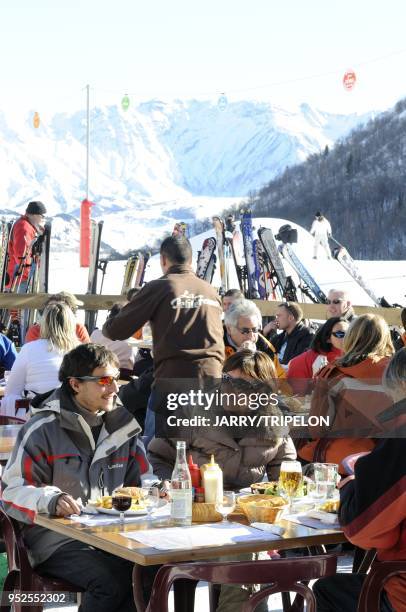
<point x="125" y="102"/>
<point x="222" y="102"/>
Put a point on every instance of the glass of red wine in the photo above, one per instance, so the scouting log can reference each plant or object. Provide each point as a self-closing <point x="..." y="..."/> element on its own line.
<point x="121" y="503"/>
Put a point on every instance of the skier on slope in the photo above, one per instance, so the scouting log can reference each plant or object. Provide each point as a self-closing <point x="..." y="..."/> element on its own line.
<point x="321" y="230"/>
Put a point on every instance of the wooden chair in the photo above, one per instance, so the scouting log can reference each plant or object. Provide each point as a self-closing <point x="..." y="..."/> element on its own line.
<point x="380" y="572"/>
<point x="279" y="575"/>
<point x="21" y="577"/>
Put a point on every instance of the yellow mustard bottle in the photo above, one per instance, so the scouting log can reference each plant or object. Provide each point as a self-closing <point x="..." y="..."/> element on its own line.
<point x="212" y="482"/>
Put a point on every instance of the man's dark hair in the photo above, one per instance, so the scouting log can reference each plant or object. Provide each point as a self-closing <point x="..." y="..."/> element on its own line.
<point x="321" y="340"/>
<point x="294" y="309"/>
<point x="131" y="292"/>
<point x="82" y="360"/>
<point x="177" y="249"/>
<point x="114" y="310"/>
<point x="234" y="293"/>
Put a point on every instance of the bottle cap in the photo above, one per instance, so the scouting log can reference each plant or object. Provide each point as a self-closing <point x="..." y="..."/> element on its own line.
<point x="191" y="463"/>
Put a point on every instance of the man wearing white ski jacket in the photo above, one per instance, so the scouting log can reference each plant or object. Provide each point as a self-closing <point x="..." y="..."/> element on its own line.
<point x="321" y="230"/>
<point x="78" y="445"/>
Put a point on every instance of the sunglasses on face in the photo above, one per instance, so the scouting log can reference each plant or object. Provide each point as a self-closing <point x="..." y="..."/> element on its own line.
<point x="103" y="381"/>
<point x="337" y="301"/>
<point x="246" y="330"/>
<point x="338" y="334"/>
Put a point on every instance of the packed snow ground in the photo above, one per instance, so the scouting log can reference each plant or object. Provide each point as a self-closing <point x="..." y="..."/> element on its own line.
<point x="386" y="278"/>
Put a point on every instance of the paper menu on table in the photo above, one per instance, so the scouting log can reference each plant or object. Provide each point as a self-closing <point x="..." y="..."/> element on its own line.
<point x="314" y="519"/>
<point x="169" y="538"/>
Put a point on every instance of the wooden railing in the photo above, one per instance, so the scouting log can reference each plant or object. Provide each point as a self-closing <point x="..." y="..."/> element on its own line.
<point x="105" y="302"/>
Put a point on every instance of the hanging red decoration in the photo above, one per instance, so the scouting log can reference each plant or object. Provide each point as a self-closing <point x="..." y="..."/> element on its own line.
<point x="85" y="233"/>
<point x="349" y="80"/>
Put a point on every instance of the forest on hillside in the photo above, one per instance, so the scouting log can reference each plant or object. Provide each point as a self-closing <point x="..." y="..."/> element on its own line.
<point x="359" y="185"/>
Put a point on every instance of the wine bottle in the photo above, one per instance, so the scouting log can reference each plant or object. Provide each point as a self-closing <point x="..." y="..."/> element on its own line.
<point x="181" y="488"/>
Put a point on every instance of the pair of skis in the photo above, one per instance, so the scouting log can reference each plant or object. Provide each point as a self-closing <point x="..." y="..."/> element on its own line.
<point x="225" y="243"/>
<point x="134" y="272"/>
<point x="341" y="254"/>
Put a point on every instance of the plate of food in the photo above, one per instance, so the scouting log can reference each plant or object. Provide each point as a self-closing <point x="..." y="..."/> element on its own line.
<point x="104" y="504"/>
<point x="264" y="488"/>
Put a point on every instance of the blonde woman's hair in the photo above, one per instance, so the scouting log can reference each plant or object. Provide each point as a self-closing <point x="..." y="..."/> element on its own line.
<point x="58" y="326"/>
<point x="367" y="336"/>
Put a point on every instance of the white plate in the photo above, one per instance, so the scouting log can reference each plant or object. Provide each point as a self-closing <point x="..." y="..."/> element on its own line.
<point x="139" y="512"/>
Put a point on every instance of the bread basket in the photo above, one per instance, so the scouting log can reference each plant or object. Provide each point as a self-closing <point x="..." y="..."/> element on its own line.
<point x="262" y="508"/>
<point x="205" y="513"/>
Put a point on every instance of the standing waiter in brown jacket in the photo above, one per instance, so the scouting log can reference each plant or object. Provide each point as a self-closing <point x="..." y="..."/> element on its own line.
<point x="185" y="317"/>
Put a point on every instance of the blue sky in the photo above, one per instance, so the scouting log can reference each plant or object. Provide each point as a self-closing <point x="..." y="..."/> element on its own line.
<point x="50" y="49"/>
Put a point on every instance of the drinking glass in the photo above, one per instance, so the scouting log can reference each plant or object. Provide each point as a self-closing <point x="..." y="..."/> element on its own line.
<point x="290" y="478"/>
<point x="226" y="505"/>
<point x="150" y="498"/>
<point x="121" y="503"/>
<point x="325" y="478"/>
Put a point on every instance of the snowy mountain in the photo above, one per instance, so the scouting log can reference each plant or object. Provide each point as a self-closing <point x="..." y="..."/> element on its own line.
<point x="157" y="162"/>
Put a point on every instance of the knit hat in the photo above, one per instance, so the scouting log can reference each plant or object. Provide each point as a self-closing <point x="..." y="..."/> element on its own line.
<point x="36" y="208"/>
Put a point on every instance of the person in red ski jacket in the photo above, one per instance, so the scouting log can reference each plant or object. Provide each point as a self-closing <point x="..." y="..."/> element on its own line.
<point x="326" y="347"/>
<point x="24" y="231"/>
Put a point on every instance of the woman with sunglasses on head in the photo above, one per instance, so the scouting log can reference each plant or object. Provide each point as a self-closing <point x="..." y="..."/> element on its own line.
<point x="35" y="371"/>
<point x="326" y="347"/>
<point x="349" y="392"/>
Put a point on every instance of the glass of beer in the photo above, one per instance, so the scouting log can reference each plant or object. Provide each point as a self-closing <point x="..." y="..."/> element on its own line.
<point x="290" y="479"/>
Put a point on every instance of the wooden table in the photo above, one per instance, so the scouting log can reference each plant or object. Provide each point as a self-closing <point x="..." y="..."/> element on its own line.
<point x="108" y="538"/>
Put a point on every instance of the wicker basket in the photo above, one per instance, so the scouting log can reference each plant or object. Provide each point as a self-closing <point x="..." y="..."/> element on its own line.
<point x="254" y="509"/>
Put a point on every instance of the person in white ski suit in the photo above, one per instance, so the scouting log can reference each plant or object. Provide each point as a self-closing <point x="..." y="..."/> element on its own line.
<point x="321" y="230"/>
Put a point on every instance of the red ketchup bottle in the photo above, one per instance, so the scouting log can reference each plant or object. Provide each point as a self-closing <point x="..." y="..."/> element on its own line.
<point x="194" y="472"/>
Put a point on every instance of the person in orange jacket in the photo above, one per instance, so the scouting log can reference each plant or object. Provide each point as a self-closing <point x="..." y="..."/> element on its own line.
<point x="372" y="509"/>
<point x="350" y="392"/>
